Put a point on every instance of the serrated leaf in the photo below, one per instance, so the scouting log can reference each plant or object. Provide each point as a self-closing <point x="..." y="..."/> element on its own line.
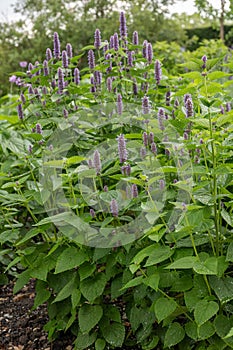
<point x="204" y="310"/>
<point x="152" y="281"/>
<point x="67" y="290"/>
<point x="84" y="340"/>
<point x="223" y="288"/>
<point x="42" y="294"/>
<point x="89" y="316"/>
<point x="70" y="258"/>
<point x="229" y="256"/>
<point x="164" y="307"/>
<point x="222" y="325"/>
<point x="114" y="333"/>
<point x="91" y="288"/>
<point x="174" y="335"/>
<point x="86" y="270"/>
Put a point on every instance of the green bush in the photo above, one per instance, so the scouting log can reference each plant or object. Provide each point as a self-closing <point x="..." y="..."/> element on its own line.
<point x="118" y="192"/>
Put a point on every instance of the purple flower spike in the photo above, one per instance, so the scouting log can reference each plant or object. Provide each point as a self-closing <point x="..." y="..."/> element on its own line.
<point x="22" y="98"/>
<point x="111" y="45"/>
<point x="45" y="68"/>
<point x="144" y="49"/>
<point x="49" y="54"/>
<point x="30" y="149"/>
<point x="44" y="90"/>
<point x="65" y="62"/>
<point x="92" y="212"/>
<point x="30" y="90"/>
<point x="186" y="96"/>
<point x="228" y="107"/>
<point x="56" y="46"/>
<point x="222" y="111"/>
<point x="145" y="139"/>
<point x="115" y="42"/>
<point x="176" y="103"/>
<point x="76" y="76"/>
<point x="20" y="111"/>
<point x="186" y="136"/>
<point x="98" y="77"/>
<point x="135" y="87"/>
<point x="65" y="113"/>
<point x="123" y="27"/>
<point x="135" y="38"/>
<point x="97" y="42"/>
<point x="106" y="46"/>
<point x="149" y="53"/>
<point x="105" y="188"/>
<point x="119" y="104"/>
<point x="158" y="72"/>
<point x="93" y="86"/>
<point x="128" y="169"/>
<point x="134" y="191"/>
<point x="91" y="59"/>
<point x="61" y="83"/>
<point x="97" y="162"/>
<point x="153" y="148"/>
<point x="114" y="208"/>
<point x="69" y="50"/>
<point x="38" y="129"/>
<point x="145" y="105"/>
<point x="168" y="97"/>
<point x="151" y="137"/>
<point x="13" y="79"/>
<point x="189" y="107"/>
<point x="204" y="60"/>
<point x="109" y="84"/>
<point x="123" y="154"/>
<point x="130" y="58"/>
<point x="161" y="184"/>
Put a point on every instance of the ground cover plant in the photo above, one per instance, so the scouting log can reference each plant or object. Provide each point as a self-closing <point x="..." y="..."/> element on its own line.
<point x="116" y="194"/>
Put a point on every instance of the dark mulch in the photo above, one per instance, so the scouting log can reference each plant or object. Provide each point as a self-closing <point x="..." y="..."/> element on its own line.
<point x="22" y="328"/>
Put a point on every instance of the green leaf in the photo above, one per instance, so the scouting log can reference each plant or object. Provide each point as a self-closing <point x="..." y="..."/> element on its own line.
<point x="205" y="331"/>
<point x="186" y="262"/>
<point x="100" y="344"/>
<point x="229" y="256"/>
<point x="223" y="288"/>
<point x="89" y="316"/>
<point x="222" y="325"/>
<point x="204" y="310"/>
<point x="174" y="335"/>
<point x="159" y="254"/>
<point x="86" y="270"/>
<point x="114" y="333"/>
<point x="42" y="294"/>
<point x="75" y="297"/>
<point x="217" y="75"/>
<point x="67" y="290"/>
<point x="83" y="341"/>
<point x="70" y="258"/>
<point x="134" y="282"/>
<point x="23" y="279"/>
<point x="163" y="308"/>
<point x="91" y="288"/>
<point x="152" y="281"/>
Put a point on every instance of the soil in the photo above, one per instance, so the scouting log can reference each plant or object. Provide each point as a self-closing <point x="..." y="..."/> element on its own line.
<point x="22" y="328"/>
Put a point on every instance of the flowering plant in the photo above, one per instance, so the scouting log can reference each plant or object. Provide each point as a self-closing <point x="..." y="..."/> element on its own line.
<point x="125" y="184"/>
